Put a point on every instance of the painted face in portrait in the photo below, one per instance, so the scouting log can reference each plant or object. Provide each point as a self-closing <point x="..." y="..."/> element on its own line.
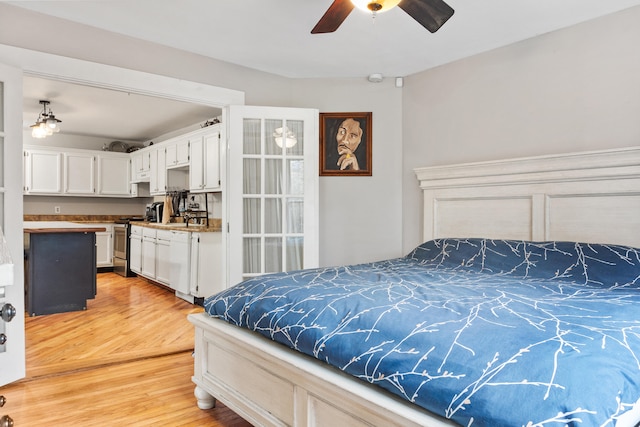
<point x="349" y="136"/>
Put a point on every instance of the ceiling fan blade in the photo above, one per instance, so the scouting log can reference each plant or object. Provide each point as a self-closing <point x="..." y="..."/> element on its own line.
<point x="333" y="17"/>
<point x="431" y="14"/>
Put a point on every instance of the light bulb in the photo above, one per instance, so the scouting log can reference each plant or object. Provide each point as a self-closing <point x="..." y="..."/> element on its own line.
<point x="376" y="6"/>
<point x="284" y="136"/>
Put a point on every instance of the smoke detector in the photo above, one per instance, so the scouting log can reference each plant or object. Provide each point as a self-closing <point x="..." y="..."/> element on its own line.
<point x="375" y="78"/>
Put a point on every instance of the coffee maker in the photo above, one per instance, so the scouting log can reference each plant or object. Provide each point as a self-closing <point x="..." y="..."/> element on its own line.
<point x="154" y="212"/>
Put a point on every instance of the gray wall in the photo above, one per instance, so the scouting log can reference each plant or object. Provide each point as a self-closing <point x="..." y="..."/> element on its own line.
<point x="360" y="217"/>
<point x="576" y="89"/>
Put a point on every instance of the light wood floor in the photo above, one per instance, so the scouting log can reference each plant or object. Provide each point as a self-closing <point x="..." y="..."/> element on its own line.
<point x="126" y="361"/>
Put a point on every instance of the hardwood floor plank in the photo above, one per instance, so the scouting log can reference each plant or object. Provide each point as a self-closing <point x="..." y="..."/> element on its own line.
<point x="129" y="319"/>
<point x="156" y="391"/>
<point x="126" y="360"/>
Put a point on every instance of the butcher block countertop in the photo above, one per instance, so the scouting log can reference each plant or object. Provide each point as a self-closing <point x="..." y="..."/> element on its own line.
<point x="57" y="221"/>
<point x="59" y="227"/>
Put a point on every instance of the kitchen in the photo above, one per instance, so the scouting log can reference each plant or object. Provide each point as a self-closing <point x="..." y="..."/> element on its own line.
<point x="82" y="174"/>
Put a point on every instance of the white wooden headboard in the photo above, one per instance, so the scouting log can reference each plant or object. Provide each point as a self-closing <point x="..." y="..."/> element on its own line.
<point x="589" y="197"/>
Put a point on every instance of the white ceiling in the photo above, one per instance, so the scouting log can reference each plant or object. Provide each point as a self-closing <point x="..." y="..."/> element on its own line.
<point x="116" y="115"/>
<point x="274" y="35"/>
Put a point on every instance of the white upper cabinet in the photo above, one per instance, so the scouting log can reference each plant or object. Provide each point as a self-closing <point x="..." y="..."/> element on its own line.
<point x="204" y="166"/>
<point x="79" y="174"/>
<point x="158" y="182"/>
<point x="141" y="166"/>
<point x="113" y="175"/>
<point x="42" y="172"/>
<point x="75" y="172"/>
<point x="178" y="153"/>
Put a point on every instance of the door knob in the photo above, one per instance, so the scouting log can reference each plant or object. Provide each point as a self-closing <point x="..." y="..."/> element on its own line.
<point x="3" y="400"/>
<point x="8" y="312"/>
<point x="3" y="339"/>
<point x="6" y="421"/>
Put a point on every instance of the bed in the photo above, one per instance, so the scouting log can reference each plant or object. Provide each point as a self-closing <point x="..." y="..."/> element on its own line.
<point x="521" y="307"/>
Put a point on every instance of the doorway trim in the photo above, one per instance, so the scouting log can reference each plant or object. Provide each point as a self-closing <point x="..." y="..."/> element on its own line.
<point x="77" y="71"/>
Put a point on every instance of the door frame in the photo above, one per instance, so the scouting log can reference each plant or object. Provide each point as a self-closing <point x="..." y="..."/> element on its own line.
<point x="71" y="70"/>
<point x="12" y="359"/>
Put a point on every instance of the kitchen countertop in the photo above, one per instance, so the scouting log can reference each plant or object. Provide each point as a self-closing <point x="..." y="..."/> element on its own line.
<point x="59" y="227"/>
<point x="105" y="219"/>
<point x="51" y="221"/>
<point x="213" y="227"/>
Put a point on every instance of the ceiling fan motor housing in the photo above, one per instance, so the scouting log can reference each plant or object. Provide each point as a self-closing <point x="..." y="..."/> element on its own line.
<point x="374" y="6"/>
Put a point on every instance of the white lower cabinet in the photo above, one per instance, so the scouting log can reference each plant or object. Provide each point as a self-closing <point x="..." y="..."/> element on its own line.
<point x="206" y="264"/>
<point x="148" y="268"/>
<point x="163" y="256"/>
<point x="188" y="262"/>
<point x="135" y="249"/>
<point x="180" y="261"/>
<point x="104" y="246"/>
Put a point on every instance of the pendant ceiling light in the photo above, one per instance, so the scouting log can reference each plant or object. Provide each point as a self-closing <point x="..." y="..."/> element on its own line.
<point x="284" y="136"/>
<point x="47" y="124"/>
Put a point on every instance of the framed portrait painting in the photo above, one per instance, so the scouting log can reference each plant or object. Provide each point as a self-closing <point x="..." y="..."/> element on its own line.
<point x="345" y="144"/>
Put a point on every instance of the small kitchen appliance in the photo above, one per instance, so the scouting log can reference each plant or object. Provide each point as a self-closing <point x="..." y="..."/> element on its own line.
<point x="154" y="212"/>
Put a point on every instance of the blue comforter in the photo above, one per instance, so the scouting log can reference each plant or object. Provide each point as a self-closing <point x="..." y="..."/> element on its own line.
<point x="484" y="332"/>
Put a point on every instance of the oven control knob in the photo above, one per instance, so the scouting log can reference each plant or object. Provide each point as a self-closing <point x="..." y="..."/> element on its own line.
<point x="6" y="421"/>
<point x="8" y="312"/>
<point x="3" y="339"/>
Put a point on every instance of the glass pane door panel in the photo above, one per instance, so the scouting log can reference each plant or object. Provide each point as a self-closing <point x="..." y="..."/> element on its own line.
<point x="2" y="107"/>
<point x="273" y="216"/>
<point x="252" y="216"/>
<point x="271" y="196"/>
<point x="296" y="127"/>
<point x="295" y="215"/>
<point x="252" y="176"/>
<point x="295" y="177"/>
<point x="273" y="254"/>
<point x="2" y="135"/>
<point x="1" y="162"/>
<point x="251" y="136"/>
<point x="251" y="255"/>
<point x="273" y="176"/>
<point x="295" y="253"/>
<point x="274" y="134"/>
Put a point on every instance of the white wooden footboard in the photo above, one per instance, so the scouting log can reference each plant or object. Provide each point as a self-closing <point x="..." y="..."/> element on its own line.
<point x="271" y="385"/>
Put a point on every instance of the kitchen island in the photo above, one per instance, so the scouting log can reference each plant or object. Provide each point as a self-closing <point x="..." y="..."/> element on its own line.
<point x="60" y="266"/>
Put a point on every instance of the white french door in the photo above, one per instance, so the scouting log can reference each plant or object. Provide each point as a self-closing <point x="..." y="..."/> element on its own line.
<point x="271" y="191"/>
<point x="12" y="352"/>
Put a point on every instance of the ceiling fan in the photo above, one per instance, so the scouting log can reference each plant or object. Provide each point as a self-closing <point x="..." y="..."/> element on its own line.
<point x="431" y="14"/>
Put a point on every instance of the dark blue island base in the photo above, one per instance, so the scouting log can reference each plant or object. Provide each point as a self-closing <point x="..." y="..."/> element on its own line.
<point x="60" y="270"/>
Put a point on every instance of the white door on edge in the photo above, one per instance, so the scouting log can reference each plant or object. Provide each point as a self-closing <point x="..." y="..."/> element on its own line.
<point x="270" y="190"/>
<point x="12" y="344"/>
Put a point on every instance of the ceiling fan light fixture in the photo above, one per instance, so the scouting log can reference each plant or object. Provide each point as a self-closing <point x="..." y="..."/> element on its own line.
<point x="375" y="6"/>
